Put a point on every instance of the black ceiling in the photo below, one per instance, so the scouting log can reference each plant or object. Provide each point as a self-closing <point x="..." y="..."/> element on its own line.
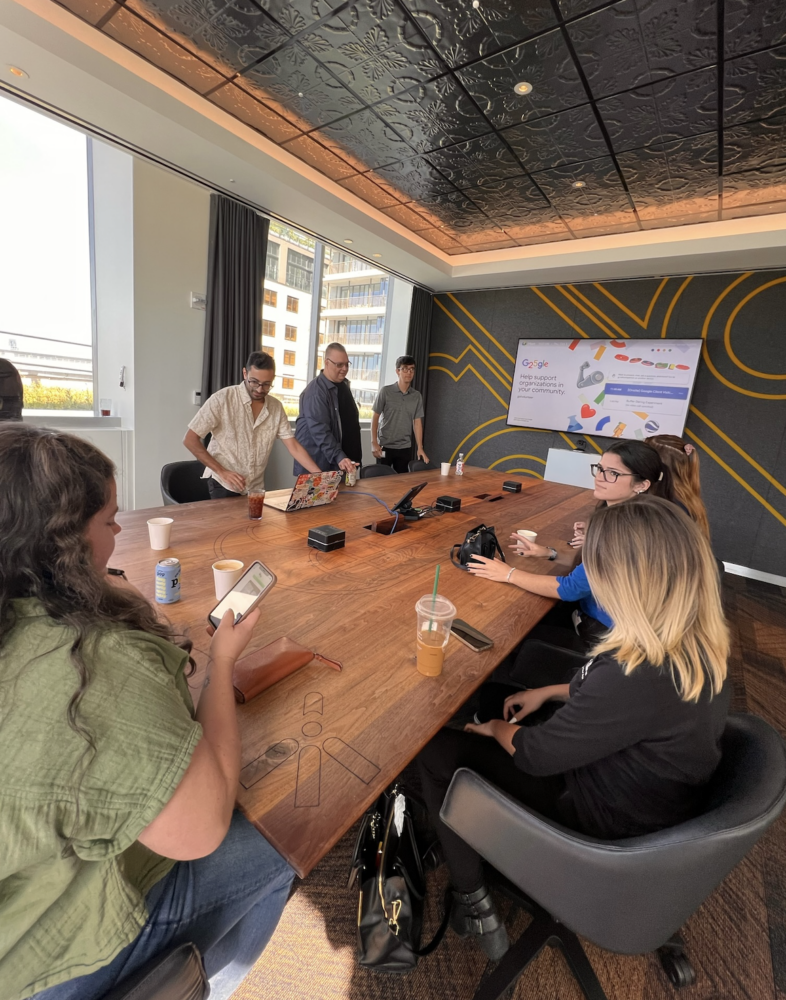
<point x="670" y="112"/>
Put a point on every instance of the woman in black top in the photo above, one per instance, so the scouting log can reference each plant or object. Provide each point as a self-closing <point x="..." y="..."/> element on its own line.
<point x="639" y="734"/>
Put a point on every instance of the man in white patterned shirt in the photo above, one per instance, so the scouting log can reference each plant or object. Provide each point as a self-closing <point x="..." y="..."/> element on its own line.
<point x="244" y="422"/>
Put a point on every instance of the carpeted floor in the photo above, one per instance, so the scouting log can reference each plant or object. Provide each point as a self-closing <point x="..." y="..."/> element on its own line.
<point x="736" y="941"/>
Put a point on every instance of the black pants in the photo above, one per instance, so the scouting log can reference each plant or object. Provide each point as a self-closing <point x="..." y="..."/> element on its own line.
<point x="396" y="458"/>
<point x="437" y="763"/>
<point x="531" y="670"/>
<point x="219" y="492"/>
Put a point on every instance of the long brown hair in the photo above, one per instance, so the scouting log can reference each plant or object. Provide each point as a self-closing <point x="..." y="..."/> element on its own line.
<point x="682" y="460"/>
<point x="651" y="567"/>
<point x="51" y="485"/>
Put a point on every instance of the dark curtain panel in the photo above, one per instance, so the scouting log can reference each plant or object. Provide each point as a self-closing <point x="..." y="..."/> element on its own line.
<point x="235" y="274"/>
<point x="419" y="337"/>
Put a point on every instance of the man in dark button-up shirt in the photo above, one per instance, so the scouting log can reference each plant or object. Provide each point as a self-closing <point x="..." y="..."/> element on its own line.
<point x="321" y="423"/>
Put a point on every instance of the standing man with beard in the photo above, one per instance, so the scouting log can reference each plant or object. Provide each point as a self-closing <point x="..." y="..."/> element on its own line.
<point x="244" y="422"/>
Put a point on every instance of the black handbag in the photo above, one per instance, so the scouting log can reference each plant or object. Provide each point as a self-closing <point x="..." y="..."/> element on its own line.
<point x="480" y="541"/>
<point x="389" y="867"/>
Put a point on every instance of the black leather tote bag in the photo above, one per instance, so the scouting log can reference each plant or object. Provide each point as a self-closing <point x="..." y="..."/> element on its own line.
<point x="480" y="541"/>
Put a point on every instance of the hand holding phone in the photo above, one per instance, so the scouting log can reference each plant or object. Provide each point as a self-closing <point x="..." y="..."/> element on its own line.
<point x="230" y="639"/>
<point x="254" y="585"/>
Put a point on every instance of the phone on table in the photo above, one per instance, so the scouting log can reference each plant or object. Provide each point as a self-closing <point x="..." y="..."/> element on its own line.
<point x="254" y="585"/>
<point x="470" y="636"/>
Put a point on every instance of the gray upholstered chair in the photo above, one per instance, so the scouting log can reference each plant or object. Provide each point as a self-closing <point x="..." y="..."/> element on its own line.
<point x="181" y="482"/>
<point x="373" y="471"/>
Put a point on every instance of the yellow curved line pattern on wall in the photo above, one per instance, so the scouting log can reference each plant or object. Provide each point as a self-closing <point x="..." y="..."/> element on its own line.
<point x="480" y="427"/>
<point x="507" y="430"/>
<point x="469" y="368"/>
<point x="739" y="478"/>
<point x="730" y="320"/>
<point x="533" y="457"/>
<point x="480" y="347"/>
<point x="736" y="447"/>
<point x="600" y="312"/>
<point x="560" y="313"/>
<point x="480" y="326"/>
<point x="467" y="349"/>
<point x="565" y="437"/>
<point x="673" y="303"/>
<point x="643" y="323"/>
<point x="527" y="472"/>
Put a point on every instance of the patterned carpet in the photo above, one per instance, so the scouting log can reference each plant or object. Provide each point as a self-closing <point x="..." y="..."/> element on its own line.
<point x="736" y="941"/>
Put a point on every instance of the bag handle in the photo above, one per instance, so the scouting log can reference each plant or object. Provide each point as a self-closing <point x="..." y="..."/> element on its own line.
<point x="455" y="562"/>
<point x="440" y="932"/>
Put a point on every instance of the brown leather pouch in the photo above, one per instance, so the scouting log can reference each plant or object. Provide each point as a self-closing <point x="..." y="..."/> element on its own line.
<point x="266" y="666"/>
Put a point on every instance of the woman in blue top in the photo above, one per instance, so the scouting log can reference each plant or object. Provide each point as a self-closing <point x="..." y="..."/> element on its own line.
<point x="626" y="470"/>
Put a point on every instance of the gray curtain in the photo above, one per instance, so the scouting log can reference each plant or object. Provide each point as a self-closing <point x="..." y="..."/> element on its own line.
<point x="419" y="337"/>
<point x="235" y="275"/>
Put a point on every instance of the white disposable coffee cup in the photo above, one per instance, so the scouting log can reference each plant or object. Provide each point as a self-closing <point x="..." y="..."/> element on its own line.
<point x="226" y="573"/>
<point x="160" y="529"/>
<point x="526" y="533"/>
<point x="444" y="468"/>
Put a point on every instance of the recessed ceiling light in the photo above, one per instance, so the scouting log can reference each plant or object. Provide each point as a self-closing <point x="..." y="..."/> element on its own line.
<point x="348" y="242"/>
<point x="20" y="73"/>
<point x="579" y="184"/>
<point x="376" y="255"/>
<point x="476" y="4"/>
<point x="523" y="87"/>
<point x="231" y="180"/>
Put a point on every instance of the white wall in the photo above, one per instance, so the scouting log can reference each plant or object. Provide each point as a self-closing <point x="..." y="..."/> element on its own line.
<point x="171" y="218"/>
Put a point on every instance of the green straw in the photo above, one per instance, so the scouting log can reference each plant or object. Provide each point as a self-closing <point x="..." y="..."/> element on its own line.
<point x="434" y="598"/>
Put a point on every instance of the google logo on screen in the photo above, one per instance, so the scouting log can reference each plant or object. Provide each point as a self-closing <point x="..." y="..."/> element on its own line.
<point x="526" y="363"/>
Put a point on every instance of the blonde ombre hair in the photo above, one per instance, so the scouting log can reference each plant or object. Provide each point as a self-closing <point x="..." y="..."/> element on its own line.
<point x="652" y="569"/>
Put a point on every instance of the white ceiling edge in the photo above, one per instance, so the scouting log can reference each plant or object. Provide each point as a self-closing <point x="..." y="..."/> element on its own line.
<point x="146" y="109"/>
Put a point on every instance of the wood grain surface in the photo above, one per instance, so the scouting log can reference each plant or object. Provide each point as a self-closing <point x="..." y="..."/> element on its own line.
<point x="319" y="746"/>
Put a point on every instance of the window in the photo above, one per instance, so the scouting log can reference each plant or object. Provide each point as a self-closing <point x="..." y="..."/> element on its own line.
<point x="269" y="350"/>
<point x="290" y="333"/>
<point x="268" y="328"/>
<point x="300" y="270"/>
<point x="46" y="232"/>
<point x="289" y="357"/>
<point x="271" y="298"/>
<point x="271" y="261"/>
<point x="287" y="382"/>
<point x="292" y="303"/>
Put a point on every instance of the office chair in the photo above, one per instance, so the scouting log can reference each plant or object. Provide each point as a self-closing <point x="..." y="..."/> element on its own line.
<point x="372" y="471"/>
<point x="630" y="896"/>
<point x="181" y="482"/>
<point x="417" y="465"/>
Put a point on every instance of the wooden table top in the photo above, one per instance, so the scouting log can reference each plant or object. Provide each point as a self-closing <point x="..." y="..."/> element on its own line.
<point x="319" y="746"/>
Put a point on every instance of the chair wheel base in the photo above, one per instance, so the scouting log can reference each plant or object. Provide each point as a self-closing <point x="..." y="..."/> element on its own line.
<point x="676" y="963"/>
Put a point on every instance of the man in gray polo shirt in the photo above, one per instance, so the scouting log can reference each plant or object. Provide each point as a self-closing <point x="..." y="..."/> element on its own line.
<point x="398" y="410"/>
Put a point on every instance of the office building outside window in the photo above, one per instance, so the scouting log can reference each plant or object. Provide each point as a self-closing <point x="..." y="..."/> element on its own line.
<point x="272" y="260"/>
<point x="300" y="270"/>
<point x="292" y="303"/>
<point x="268" y="330"/>
<point x="290" y="333"/>
<point x="271" y="298"/>
<point x="289" y="357"/>
<point x="287" y="382"/>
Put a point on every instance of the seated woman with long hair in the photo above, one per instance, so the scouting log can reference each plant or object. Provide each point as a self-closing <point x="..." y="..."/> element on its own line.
<point x="638" y="736"/>
<point x="682" y="460"/>
<point x="116" y="804"/>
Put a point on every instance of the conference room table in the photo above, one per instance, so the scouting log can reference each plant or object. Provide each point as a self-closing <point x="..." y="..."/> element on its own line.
<point x="319" y="746"/>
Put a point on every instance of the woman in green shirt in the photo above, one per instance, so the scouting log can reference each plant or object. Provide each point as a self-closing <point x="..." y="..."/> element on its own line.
<point x="116" y="805"/>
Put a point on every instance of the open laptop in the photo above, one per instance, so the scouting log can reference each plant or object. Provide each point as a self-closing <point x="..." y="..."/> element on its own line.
<point x="310" y="490"/>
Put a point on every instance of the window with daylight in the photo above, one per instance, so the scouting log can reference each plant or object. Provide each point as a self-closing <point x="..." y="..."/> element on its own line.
<point x="289" y="357"/>
<point x="300" y="270"/>
<point x="46" y="324"/>
<point x="271" y="351"/>
<point x="292" y="301"/>
<point x="287" y="382"/>
<point x="268" y="329"/>
<point x="290" y="333"/>
<point x="272" y="260"/>
<point x="271" y="298"/>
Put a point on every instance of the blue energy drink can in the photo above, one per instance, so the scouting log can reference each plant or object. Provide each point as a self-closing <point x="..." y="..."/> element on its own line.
<point x="168" y="581"/>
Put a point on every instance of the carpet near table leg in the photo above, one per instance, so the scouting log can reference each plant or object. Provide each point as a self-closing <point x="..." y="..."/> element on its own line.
<point x="736" y="940"/>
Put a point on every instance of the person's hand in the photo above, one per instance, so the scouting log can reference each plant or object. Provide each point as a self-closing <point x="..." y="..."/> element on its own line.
<point x="422" y="456"/>
<point x="376" y="450"/>
<point x="229" y="639"/>
<point x="523" y="703"/>
<point x="526" y="547"/>
<point x="579" y="534"/>
<point x="347" y="465"/>
<point x="489" y="569"/>
<point x="480" y="728"/>
<point x="234" y="480"/>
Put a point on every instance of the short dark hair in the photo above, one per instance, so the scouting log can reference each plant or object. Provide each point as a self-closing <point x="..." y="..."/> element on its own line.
<point x="405" y="359"/>
<point x="335" y="346"/>
<point x="258" y="359"/>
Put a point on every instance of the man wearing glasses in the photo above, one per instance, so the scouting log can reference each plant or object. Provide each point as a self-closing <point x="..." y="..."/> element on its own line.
<point x="398" y="410"/>
<point x="244" y="421"/>
<point x="329" y="426"/>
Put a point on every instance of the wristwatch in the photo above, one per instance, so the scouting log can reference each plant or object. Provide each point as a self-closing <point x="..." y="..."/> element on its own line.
<point x="552" y="553"/>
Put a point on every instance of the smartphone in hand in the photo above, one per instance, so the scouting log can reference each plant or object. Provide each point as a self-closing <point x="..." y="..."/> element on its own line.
<point x="252" y="587"/>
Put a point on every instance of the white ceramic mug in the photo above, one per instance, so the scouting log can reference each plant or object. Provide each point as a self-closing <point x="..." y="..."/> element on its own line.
<point x="159" y="529"/>
<point x="226" y="573"/>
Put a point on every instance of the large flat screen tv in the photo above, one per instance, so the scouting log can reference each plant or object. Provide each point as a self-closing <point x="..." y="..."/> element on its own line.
<point x="615" y="388"/>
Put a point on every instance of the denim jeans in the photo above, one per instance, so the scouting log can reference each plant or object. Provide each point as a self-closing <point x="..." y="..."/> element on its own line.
<point x="227" y="904"/>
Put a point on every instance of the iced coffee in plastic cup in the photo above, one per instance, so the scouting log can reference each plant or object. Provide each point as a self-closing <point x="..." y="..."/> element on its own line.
<point x="435" y="616"/>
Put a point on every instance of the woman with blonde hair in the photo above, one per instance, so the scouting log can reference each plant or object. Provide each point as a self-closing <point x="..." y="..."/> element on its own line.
<point x="638" y="736"/>
<point x="682" y="460"/>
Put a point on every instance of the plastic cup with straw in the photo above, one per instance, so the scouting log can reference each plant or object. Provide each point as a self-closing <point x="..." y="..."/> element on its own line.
<point x="435" y="616"/>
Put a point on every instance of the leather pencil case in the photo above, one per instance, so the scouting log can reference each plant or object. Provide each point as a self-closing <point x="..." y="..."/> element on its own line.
<point x="264" y="667"/>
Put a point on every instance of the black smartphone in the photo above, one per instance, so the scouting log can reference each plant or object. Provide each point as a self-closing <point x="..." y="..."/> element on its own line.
<point x="254" y="585"/>
<point x="470" y="636"/>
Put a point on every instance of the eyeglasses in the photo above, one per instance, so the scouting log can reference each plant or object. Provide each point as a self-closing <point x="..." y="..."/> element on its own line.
<point x="339" y="364"/>
<point x="253" y="384"/>
<point x="609" y="475"/>
<point x="407" y="368"/>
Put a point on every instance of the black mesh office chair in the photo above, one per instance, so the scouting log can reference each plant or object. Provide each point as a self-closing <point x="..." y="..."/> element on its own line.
<point x="181" y="482"/>
<point x="372" y="471"/>
<point x="629" y="896"/>
<point x="418" y="465"/>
